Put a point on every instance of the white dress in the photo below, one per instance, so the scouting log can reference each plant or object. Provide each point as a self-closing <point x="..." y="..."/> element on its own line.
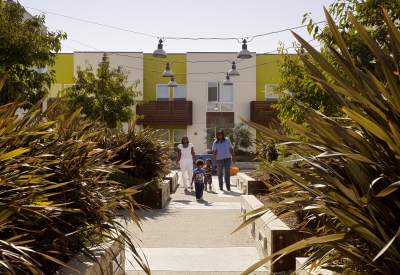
<point x="186" y="163"/>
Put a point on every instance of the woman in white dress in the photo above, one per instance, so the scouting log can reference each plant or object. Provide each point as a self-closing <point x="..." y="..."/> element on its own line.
<point x="186" y="159"/>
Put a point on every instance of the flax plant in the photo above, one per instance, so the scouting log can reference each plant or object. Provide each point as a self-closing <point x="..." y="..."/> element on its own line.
<point x="348" y="183"/>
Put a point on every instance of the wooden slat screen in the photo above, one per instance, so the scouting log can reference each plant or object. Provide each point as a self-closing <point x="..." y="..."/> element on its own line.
<point x="262" y="113"/>
<point x="166" y="112"/>
<point x="214" y="116"/>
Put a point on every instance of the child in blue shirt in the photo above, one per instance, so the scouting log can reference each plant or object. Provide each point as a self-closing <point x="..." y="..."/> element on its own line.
<point x="198" y="177"/>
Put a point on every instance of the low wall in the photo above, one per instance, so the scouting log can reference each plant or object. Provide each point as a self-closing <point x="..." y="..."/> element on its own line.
<point x="111" y="257"/>
<point x="249" y="186"/>
<point x="271" y="235"/>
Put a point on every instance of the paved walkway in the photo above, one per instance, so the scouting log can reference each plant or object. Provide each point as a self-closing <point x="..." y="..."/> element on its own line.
<point x="190" y="237"/>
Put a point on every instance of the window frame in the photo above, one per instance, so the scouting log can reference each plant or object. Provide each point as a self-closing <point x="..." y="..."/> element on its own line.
<point x="180" y="98"/>
<point x="219" y="103"/>
<point x="169" y="92"/>
<point x="269" y="96"/>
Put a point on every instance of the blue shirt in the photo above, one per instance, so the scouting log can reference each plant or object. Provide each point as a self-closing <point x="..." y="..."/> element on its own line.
<point x="222" y="149"/>
<point x="199" y="175"/>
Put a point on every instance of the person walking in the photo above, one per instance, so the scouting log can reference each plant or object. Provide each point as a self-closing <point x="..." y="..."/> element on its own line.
<point x="208" y="178"/>
<point x="186" y="159"/>
<point x="225" y="157"/>
<point x="198" y="177"/>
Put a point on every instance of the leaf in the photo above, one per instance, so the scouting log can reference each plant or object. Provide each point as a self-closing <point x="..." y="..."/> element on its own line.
<point x="13" y="154"/>
<point x="388" y="190"/>
<point x="387" y="245"/>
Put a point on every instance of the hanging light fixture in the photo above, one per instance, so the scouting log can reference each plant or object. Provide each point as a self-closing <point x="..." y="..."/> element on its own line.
<point x="233" y="71"/>
<point x="227" y="80"/>
<point x="172" y="83"/>
<point x="216" y="107"/>
<point x="160" y="52"/>
<point x="244" y="53"/>
<point x="167" y="72"/>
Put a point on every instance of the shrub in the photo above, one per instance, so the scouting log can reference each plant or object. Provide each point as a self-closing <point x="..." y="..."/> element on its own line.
<point x="350" y="174"/>
<point x="54" y="190"/>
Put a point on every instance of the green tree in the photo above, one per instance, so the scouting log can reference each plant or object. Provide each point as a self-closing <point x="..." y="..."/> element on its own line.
<point x="239" y="134"/>
<point x="294" y="74"/>
<point x="103" y="95"/>
<point x="25" y="45"/>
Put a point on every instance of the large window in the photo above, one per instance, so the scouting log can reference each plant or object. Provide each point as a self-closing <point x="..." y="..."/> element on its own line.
<point x="163" y="133"/>
<point x="219" y="97"/>
<point x="269" y="92"/>
<point x="162" y="93"/>
<point x="180" y="92"/>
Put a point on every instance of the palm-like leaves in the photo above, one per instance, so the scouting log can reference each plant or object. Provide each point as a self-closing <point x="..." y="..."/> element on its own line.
<point x="350" y="175"/>
<point x="54" y="192"/>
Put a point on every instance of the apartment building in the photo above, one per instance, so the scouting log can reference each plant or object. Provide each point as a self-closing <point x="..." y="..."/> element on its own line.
<point x="199" y="96"/>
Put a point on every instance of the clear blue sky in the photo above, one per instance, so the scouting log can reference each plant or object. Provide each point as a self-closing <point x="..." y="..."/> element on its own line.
<point x="177" y="18"/>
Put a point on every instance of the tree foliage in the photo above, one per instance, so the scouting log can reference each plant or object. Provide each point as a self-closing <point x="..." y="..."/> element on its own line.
<point x="239" y="134"/>
<point x="294" y="74"/>
<point x="103" y="95"/>
<point x="25" y="45"/>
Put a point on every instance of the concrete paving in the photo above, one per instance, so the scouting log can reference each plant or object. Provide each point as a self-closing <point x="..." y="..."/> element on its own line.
<point x="194" y="237"/>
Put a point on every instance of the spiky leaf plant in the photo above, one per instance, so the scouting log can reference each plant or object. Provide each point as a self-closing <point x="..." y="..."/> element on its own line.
<point x="55" y="199"/>
<point x="143" y="149"/>
<point x="349" y="181"/>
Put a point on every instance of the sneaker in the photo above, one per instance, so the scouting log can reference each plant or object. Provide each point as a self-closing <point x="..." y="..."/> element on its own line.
<point x="221" y="189"/>
<point x="185" y="189"/>
<point x="210" y="187"/>
<point x="228" y="189"/>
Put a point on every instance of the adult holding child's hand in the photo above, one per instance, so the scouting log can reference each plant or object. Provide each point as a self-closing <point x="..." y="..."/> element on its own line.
<point x="186" y="159"/>
<point x="225" y="157"/>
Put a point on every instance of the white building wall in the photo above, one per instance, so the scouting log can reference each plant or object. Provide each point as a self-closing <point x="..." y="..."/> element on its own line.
<point x="244" y="89"/>
<point x="131" y="62"/>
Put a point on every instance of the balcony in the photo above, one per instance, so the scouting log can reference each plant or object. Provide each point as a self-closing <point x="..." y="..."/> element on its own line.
<point x="166" y="112"/>
<point x="262" y="113"/>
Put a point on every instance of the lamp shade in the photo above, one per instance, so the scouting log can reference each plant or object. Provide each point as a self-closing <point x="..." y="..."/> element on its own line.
<point x="227" y="80"/>
<point x="172" y="83"/>
<point x="167" y="72"/>
<point x="160" y="52"/>
<point x="233" y="71"/>
<point x="244" y="53"/>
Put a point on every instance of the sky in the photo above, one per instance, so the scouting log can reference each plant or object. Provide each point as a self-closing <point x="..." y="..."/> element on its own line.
<point x="177" y="18"/>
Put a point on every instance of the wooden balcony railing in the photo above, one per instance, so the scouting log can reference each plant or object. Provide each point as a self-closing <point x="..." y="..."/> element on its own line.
<point x="166" y="112"/>
<point x="262" y="113"/>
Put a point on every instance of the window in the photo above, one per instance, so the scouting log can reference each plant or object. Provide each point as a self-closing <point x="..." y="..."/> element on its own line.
<point x="178" y="135"/>
<point x="163" y="133"/>
<point x="180" y="92"/>
<point x="219" y="97"/>
<point x="269" y="92"/>
<point x="162" y="93"/>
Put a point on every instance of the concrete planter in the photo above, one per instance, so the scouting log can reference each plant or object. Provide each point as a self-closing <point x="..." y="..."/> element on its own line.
<point x="111" y="261"/>
<point x="173" y="180"/>
<point x="157" y="197"/>
<point x="271" y="235"/>
<point x="249" y="186"/>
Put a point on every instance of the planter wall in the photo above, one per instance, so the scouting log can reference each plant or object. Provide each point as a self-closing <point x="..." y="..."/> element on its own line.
<point x="173" y="180"/>
<point x="111" y="257"/>
<point x="249" y="186"/>
<point x="157" y="197"/>
<point x="271" y="235"/>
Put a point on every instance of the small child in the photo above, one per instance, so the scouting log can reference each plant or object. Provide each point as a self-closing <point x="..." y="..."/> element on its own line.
<point x="198" y="178"/>
<point x="208" y="178"/>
